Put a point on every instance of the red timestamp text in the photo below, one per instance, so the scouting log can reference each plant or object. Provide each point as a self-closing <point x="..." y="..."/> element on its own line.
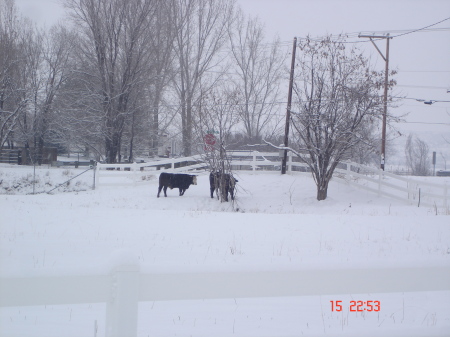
<point x="357" y="306"/>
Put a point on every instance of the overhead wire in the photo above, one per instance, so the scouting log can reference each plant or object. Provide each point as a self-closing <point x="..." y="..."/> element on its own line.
<point x="420" y="86"/>
<point x="420" y="29"/>
<point x="356" y="34"/>
<point x="435" y="123"/>
<point x="347" y="35"/>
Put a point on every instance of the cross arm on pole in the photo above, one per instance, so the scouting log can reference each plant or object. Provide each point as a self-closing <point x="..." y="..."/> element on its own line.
<point x="371" y="37"/>
<point x="379" y="51"/>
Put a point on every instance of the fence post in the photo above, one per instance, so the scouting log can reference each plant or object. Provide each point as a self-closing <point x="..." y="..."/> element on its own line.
<point x="290" y="162"/>
<point x="408" y="187"/>
<point x="96" y="174"/>
<point x="445" y="195"/>
<point x="380" y="176"/>
<point x="134" y="167"/>
<point x="254" y="161"/>
<point x="122" y="307"/>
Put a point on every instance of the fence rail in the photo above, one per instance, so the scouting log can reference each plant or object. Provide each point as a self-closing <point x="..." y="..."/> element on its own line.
<point x="9" y="156"/>
<point x="124" y="287"/>
<point x="371" y="179"/>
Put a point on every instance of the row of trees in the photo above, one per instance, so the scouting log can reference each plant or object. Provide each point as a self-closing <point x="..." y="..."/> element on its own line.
<point x="33" y="69"/>
<point x="122" y="73"/>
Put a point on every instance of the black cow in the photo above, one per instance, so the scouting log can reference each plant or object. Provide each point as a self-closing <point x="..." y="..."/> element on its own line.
<point x="172" y="180"/>
<point x="216" y="179"/>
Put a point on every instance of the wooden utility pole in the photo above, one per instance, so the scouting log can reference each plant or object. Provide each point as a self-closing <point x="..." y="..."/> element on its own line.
<point x="288" y="110"/>
<point x="386" y="85"/>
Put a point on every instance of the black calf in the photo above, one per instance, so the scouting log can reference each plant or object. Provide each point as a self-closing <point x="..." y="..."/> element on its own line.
<point x="172" y="180"/>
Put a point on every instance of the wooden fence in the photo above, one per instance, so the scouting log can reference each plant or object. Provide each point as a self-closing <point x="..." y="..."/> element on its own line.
<point x="10" y="156"/>
<point x="124" y="287"/>
<point x="410" y="190"/>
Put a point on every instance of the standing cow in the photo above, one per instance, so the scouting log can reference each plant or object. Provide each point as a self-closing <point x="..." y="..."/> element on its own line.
<point x="218" y="179"/>
<point x="173" y="180"/>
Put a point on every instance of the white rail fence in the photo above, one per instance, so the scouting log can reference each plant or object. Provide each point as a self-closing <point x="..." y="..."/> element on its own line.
<point x="135" y="171"/>
<point x="125" y="287"/>
<point x="382" y="183"/>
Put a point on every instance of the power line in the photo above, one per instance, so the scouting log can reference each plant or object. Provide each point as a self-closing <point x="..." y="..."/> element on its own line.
<point x="405" y="122"/>
<point x="420" y="99"/>
<point x="420" y="86"/>
<point x="352" y="35"/>
<point x="424" y="71"/>
<point x="280" y="103"/>
<point x="402" y="33"/>
<point x="420" y="29"/>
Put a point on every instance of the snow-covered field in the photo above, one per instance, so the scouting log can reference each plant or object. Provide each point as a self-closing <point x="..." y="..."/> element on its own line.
<point x="275" y="224"/>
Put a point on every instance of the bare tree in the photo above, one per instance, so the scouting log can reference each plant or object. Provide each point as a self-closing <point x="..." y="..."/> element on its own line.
<point x="417" y="156"/>
<point x="115" y="43"/>
<point x="80" y="123"/>
<point x="13" y="65"/>
<point x="337" y="98"/>
<point x="213" y="126"/>
<point x="201" y="32"/>
<point x="57" y="46"/>
<point x="162" y="40"/>
<point x="259" y="68"/>
<point x="217" y="116"/>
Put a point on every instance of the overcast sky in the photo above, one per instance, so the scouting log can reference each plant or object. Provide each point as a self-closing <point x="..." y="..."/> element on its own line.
<point x="422" y="58"/>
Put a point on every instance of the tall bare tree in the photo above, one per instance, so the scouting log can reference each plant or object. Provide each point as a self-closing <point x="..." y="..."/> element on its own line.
<point x="14" y="97"/>
<point x="201" y="33"/>
<point x="162" y="69"/>
<point x="115" y="43"/>
<point x="56" y="49"/>
<point x="259" y="68"/>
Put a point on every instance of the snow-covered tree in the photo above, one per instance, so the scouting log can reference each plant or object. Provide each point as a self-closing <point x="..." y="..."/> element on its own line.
<point x="337" y="99"/>
<point x="259" y="70"/>
<point x="200" y="35"/>
<point x="215" y="120"/>
<point x="418" y="156"/>
<point x="15" y="66"/>
<point x="114" y="42"/>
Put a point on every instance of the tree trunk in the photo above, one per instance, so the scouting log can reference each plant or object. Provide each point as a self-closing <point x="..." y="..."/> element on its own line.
<point x="187" y="127"/>
<point x="154" y="133"/>
<point x="40" y="150"/>
<point x="154" y="120"/>
<point x="322" y="190"/>
<point x="112" y="148"/>
<point x="188" y="151"/>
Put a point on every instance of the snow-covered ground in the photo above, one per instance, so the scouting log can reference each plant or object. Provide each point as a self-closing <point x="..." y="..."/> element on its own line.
<point x="275" y="224"/>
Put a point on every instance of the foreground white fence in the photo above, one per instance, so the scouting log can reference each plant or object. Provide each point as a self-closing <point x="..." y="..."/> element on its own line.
<point x="382" y="183"/>
<point x="125" y="287"/>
